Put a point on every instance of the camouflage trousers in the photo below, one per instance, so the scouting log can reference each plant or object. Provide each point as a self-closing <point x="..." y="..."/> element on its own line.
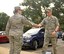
<point x="15" y="44"/>
<point x="53" y="42"/>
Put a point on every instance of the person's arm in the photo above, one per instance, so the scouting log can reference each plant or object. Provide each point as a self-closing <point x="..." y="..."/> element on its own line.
<point x="37" y="25"/>
<point x="7" y="28"/>
<point x="40" y="25"/>
<point x="57" y="27"/>
<point x="25" y="21"/>
<point x="54" y="32"/>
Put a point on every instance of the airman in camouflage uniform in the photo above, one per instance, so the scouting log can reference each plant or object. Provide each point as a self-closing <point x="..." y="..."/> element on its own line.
<point x="51" y="25"/>
<point x="14" y="30"/>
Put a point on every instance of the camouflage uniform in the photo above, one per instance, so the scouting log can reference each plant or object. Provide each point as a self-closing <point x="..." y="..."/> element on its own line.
<point x="50" y="24"/>
<point x="14" y="29"/>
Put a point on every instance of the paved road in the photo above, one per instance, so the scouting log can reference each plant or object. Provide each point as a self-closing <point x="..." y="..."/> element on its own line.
<point x="4" y="49"/>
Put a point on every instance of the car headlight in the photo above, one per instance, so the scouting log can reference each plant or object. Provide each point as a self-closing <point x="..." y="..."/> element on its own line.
<point x="27" y="36"/>
<point x="28" y="40"/>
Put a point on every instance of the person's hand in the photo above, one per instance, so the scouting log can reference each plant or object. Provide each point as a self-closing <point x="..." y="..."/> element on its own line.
<point x="36" y="25"/>
<point x="53" y="34"/>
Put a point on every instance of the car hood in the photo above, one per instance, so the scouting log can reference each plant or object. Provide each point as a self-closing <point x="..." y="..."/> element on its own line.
<point x="31" y="31"/>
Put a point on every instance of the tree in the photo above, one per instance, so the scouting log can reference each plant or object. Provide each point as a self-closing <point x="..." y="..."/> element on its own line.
<point x="34" y="11"/>
<point x="3" y="21"/>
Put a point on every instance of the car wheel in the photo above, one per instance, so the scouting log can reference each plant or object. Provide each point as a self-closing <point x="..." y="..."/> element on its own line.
<point x="35" y="45"/>
<point x="41" y="45"/>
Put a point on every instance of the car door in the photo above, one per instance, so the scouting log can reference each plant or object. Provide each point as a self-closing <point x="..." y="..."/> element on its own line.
<point x="41" y="36"/>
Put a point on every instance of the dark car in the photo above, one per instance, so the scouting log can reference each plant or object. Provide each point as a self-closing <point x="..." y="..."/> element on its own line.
<point x="59" y="34"/>
<point x="3" y="38"/>
<point x="34" y="38"/>
<point x="63" y="36"/>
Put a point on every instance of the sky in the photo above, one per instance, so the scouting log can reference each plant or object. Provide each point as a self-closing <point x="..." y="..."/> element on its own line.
<point x="7" y="6"/>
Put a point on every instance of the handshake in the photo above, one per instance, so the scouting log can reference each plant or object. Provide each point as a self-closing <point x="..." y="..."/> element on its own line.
<point x="36" y="25"/>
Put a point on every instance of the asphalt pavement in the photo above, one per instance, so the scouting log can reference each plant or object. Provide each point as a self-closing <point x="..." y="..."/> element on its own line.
<point x="4" y="49"/>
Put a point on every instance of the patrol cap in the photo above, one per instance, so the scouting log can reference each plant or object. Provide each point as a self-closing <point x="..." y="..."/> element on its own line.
<point x="48" y="9"/>
<point x="18" y="8"/>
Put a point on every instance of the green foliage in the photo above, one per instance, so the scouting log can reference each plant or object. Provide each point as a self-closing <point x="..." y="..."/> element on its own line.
<point x="33" y="10"/>
<point x="3" y="21"/>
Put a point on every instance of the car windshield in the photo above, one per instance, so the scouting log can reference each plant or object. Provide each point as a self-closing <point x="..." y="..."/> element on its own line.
<point x="33" y="31"/>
